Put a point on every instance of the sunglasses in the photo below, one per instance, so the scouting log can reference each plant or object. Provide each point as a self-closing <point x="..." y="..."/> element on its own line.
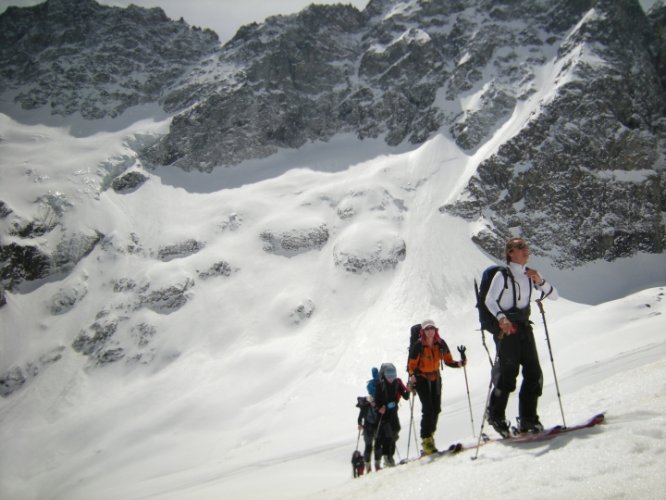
<point x="519" y="246"/>
<point x="429" y="328"/>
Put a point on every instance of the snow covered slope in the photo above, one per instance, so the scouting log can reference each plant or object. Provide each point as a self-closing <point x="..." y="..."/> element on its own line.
<point x="205" y="335"/>
<point x="239" y="380"/>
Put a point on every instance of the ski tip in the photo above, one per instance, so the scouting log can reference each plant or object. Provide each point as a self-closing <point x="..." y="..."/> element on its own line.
<point x="599" y="418"/>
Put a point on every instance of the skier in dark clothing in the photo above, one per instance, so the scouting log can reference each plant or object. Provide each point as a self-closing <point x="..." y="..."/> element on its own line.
<point x="389" y="390"/>
<point x="508" y="299"/>
<point x="368" y="418"/>
<point x="423" y="365"/>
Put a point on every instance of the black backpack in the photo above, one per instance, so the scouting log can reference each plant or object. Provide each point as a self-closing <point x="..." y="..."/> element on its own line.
<point x="414" y="336"/>
<point x="370" y="414"/>
<point x="487" y="320"/>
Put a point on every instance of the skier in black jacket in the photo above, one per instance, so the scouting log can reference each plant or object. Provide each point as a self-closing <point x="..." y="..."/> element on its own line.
<point x="368" y="418"/>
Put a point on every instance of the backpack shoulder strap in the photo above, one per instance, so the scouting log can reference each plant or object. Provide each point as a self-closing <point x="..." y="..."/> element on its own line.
<point x="506" y="272"/>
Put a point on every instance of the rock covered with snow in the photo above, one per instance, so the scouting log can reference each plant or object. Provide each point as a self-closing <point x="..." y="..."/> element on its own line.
<point x="128" y="182"/>
<point x="220" y="268"/>
<point x="369" y="248"/>
<point x="17" y="376"/>
<point x="303" y="237"/>
<point x="179" y="250"/>
<point x="585" y="180"/>
<point x="67" y="297"/>
<point x="77" y="56"/>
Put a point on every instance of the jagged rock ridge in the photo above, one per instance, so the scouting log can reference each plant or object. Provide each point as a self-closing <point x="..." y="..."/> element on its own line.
<point x="397" y="70"/>
<point x="586" y="180"/>
<point x="77" y="56"/>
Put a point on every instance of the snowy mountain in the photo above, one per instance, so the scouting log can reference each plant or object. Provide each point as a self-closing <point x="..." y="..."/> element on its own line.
<point x="558" y="105"/>
<point x="168" y="332"/>
<point x="80" y="57"/>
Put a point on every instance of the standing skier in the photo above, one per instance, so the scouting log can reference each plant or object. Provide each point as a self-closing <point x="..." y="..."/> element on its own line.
<point x="508" y="299"/>
<point x="425" y="357"/>
<point x="388" y="392"/>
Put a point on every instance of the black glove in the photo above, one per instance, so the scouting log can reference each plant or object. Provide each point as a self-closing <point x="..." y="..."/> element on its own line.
<point x="461" y="350"/>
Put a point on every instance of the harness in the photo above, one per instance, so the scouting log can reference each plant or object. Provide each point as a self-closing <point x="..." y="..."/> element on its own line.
<point x="514" y="314"/>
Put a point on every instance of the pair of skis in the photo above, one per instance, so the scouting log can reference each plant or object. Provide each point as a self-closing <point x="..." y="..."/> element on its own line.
<point x="451" y="450"/>
<point x="545" y="435"/>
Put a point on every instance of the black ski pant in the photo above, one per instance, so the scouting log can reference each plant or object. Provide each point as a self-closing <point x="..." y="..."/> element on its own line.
<point x="369" y="432"/>
<point x="515" y="351"/>
<point x="387" y="435"/>
<point x="430" y="395"/>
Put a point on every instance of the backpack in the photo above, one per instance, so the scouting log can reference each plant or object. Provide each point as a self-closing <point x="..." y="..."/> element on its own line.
<point x="487" y="320"/>
<point x="414" y="336"/>
<point x="372" y="383"/>
<point x="371" y="416"/>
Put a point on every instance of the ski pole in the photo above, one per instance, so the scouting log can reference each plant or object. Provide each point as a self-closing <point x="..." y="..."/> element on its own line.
<point x="483" y="333"/>
<point x="379" y="424"/>
<point x="552" y="361"/>
<point x="461" y="350"/>
<point x="374" y="439"/>
<point x="483" y="420"/>
<point x="411" y="422"/>
<point x="358" y="439"/>
<point x="414" y="431"/>
<point x="483" y="340"/>
<point x="490" y="388"/>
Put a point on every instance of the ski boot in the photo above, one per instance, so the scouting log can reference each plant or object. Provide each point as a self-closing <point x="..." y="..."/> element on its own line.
<point x="428" y="445"/>
<point x="500" y="425"/>
<point x="532" y="426"/>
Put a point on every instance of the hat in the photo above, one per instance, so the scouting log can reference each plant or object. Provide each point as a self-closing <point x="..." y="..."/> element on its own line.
<point x="390" y="373"/>
<point x="426" y="323"/>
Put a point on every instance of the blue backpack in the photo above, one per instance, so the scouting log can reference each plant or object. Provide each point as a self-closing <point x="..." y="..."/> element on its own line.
<point x="372" y="383"/>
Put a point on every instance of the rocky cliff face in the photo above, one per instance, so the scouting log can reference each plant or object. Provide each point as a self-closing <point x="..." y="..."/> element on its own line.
<point x="582" y="177"/>
<point x="77" y="56"/>
<point x="585" y="179"/>
<point x="398" y="70"/>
